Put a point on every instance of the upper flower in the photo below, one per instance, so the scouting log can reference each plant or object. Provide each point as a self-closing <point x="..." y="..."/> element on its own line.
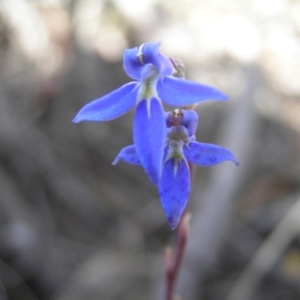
<point x="180" y="150"/>
<point x="153" y="74"/>
<point x="154" y="83"/>
<point x="144" y="64"/>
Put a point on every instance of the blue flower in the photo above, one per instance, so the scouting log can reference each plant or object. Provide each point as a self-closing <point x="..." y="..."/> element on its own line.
<point x="154" y="83"/>
<point x="180" y="150"/>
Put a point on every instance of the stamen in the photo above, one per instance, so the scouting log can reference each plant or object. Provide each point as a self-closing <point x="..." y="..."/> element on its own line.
<point x="175" y="118"/>
<point x="140" y="54"/>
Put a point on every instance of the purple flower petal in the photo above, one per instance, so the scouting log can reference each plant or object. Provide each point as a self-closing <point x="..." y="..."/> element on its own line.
<point x="174" y="189"/>
<point x="190" y="121"/>
<point x="149" y="136"/>
<point x="129" y="155"/>
<point x="162" y="63"/>
<point x="180" y="92"/>
<point x="135" y="59"/>
<point x="110" y="106"/>
<point x="207" y="155"/>
<point x="132" y="64"/>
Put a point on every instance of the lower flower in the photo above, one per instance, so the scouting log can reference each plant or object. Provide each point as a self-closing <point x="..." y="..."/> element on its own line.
<point x="174" y="185"/>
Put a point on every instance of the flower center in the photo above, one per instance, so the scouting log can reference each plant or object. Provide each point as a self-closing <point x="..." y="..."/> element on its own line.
<point x="177" y="137"/>
<point x="149" y="79"/>
<point x="175" y="150"/>
<point x="175" y="118"/>
<point x="175" y="153"/>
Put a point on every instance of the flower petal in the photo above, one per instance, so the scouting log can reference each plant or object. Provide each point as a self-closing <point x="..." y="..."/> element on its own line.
<point x="110" y="106"/>
<point x="149" y="136"/>
<point x="135" y="59"/>
<point x="207" y="155"/>
<point x="129" y="155"/>
<point x="190" y="121"/>
<point x="131" y="63"/>
<point x="180" y="92"/>
<point x="161" y="62"/>
<point x="174" y="189"/>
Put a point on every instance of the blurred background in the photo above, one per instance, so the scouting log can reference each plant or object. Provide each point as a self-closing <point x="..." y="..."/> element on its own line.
<point x="72" y="226"/>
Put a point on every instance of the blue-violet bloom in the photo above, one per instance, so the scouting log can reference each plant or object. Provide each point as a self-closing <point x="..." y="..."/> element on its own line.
<point x="180" y="150"/>
<point x="154" y="83"/>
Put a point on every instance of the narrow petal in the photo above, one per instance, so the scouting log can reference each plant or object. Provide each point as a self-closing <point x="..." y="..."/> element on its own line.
<point x="135" y="59"/>
<point x="129" y="155"/>
<point x="149" y="136"/>
<point x="174" y="189"/>
<point x="110" y="106"/>
<point x="207" y="155"/>
<point x="180" y="92"/>
<point x="132" y="64"/>
<point x="190" y="121"/>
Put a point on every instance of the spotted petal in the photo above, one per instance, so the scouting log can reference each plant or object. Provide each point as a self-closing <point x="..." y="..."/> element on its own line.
<point x="174" y="189"/>
<point x="149" y="136"/>
<point x="180" y="92"/>
<point x="129" y="155"/>
<point x="135" y="59"/>
<point x="207" y="155"/>
<point x="110" y="106"/>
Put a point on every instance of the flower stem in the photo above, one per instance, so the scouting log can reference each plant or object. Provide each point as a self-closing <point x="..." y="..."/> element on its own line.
<point x="173" y="260"/>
